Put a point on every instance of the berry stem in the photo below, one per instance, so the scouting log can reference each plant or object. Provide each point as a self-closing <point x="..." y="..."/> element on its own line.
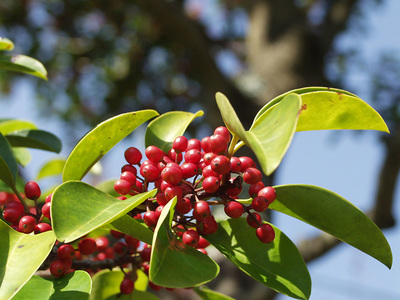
<point x="231" y="149"/>
<point x="16" y="192"/>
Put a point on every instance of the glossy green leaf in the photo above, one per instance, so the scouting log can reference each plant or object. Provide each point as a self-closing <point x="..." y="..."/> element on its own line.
<point x="8" y="163"/>
<point x="169" y="255"/>
<point x="33" y="138"/>
<point x="206" y="294"/>
<point x="329" y="109"/>
<point x="162" y="131"/>
<point x="331" y="213"/>
<point x="15" y="249"/>
<point x="133" y="227"/>
<point x="278" y="265"/>
<point x="53" y="167"/>
<point x="22" y="155"/>
<point x="230" y="117"/>
<point x="78" y="208"/>
<point x="272" y="137"/>
<point x="6" y="44"/>
<point x="75" y="285"/>
<point x="106" y="287"/>
<point x="9" y="125"/>
<point x="97" y="142"/>
<point x="23" y="64"/>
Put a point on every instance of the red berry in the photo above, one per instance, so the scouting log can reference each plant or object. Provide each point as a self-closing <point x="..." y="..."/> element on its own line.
<point x="233" y="209"/>
<point x="133" y="156"/>
<point x="122" y="186"/>
<point x="172" y="191"/>
<point x="102" y="243"/>
<point x="255" y="188"/>
<point x="191" y="237"/>
<point x="268" y="192"/>
<point x="254" y="220"/>
<point x="221" y="164"/>
<point x="150" y="218"/>
<point x="246" y="162"/>
<point x="236" y="165"/>
<point x="175" y="156"/>
<point x="11" y="215"/>
<point x="127" y="285"/>
<point x="189" y="170"/>
<point x="252" y="175"/>
<point x="150" y="171"/>
<point x="154" y="286"/>
<point x="208" y="157"/>
<point x="4" y="198"/>
<point x="32" y="190"/>
<point x="172" y="175"/>
<point x="116" y="234"/>
<point x="259" y="203"/>
<point x="183" y="206"/>
<point x="207" y="171"/>
<point x="15" y="205"/>
<point x="205" y="144"/>
<point x="161" y="199"/>
<point x="201" y="210"/>
<point x="87" y="246"/>
<point x="129" y="168"/>
<point x="42" y="227"/>
<point x="120" y="248"/>
<point x="218" y="144"/>
<point x="58" y="268"/>
<point x="193" y="144"/>
<point x="46" y="210"/>
<point x="27" y="224"/>
<point x="48" y="198"/>
<point x="203" y="243"/>
<point x="211" y="184"/>
<point x="145" y="254"/>
<point x="222" y="130"/>
<point x="66" y="252"/>
<point x="128" y="176"/>
<point x="159" y="210"/>
<point x="180" y="144"/>
<point x="207" y="226"/>
<point x="265" y="233"/>
<point x="193" y="156"/>
<point x="154" y="154"/>
<point x="132" y="242"/>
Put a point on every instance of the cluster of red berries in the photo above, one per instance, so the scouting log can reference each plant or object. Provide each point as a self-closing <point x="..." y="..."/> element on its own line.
<point x="197" y="172"/>
<point x="26" y="219"/>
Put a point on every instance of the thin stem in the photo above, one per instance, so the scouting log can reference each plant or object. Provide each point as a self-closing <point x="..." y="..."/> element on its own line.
<point x="231" y="149"/>
<point x="26" y="208"/>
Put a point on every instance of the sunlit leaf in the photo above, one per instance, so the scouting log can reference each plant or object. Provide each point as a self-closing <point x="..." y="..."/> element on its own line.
<point x="169" y="255"/>
<point x="24" y="64"/>
<point x="20" y="256"/>
<point x="133" y="227"/>
<point x="75" y="285"/>
<point x="6" y="44"/>
<point x="22" y="155"/>
<point x="278" y="265"/>
<point x="8" y="163"/>
<point x="106" y="287"/>
<point x="206" y="294"/>
<point x="9" y="125"/>
<point x="78" y="208"/>
<point x="51" y="168"/>
<point x="230" y="117"/>
<point x="162" y="131"/>
<point x="333" y="214"/>
<point x="33" y="138"/>
<point x="97" y="142"/>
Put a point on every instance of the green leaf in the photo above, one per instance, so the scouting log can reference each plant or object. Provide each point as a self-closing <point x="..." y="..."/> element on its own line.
<point x="22" y="155"/>
<point x="331" y="213"/>
<point x="162" y="131"/>
<point x="6" y="44"/>
<point x="107" y="186"/>
<point x="230" y="117"/>
<point x="278" y="265"/>
<point x="23" y="64"/>
<point x="133" y="227"/>
<point x="169" y="255"/>
<point x="8" y="163"/>
<point x="78" y="208"/>
<point x="20" y="256"/>
<point x="51" y="168"/>
<point x="272" y="137"/>
<point x="9" y="125"/>
<point x="33" y="138"/>
<point x="328" y="109"/>
<point x="206" y="294"/>
<point x="75" y="285"/>
<point x="106" y="286"/>
<point x="97" y="142"/>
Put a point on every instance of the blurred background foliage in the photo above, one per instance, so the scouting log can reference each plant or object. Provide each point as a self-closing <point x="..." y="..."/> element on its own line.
<point x="109" y="57"/>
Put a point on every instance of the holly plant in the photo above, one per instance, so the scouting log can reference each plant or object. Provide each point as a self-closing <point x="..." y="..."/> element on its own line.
<point x="150" y="229"/>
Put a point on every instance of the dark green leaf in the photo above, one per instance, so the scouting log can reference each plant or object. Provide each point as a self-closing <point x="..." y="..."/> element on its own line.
<point x="20" y="256"/>
<point x="133" y="227"/>
<point x="278" y="265"/>
<point x="24" y="64"/>
<point x="37" y="139"/>
<point x="331" y="213"/>
<point x="162" y="131"/>
<point x="75" y="285"/>
<point x="78" y="208"/>
<point x="169" y="255"/>
<point x="8" y="163"/>
<point x="95" y="144"/>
